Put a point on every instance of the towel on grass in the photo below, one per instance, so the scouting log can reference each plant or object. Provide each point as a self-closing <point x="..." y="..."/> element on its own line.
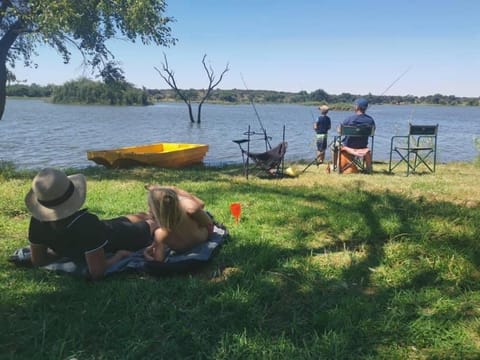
<point x="174" y="263"/>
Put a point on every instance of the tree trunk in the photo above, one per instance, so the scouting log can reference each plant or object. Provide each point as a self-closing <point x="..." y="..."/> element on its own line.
<point x="3" y="86"/>
<point x="190" y="112"/>
<point x="199" y="113"/>
<point x="6" y="43"/>
<point x="169" y="78"/>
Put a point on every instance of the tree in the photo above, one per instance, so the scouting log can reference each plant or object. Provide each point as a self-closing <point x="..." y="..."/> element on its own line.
<point x="320" y="95"/>
<point x="168" y="75"/>
<point x="84" y="25"/>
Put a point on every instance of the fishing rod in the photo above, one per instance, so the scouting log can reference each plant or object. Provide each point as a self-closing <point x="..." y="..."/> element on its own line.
<point x="256" y="113"/>
<point x="383" y="93"/>
<point x="396" y="80"/>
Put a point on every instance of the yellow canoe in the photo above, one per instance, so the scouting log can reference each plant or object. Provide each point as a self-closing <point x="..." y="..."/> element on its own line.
<point x="167" y="155"/>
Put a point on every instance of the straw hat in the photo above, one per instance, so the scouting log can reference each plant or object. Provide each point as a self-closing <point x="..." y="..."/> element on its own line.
<point x="324" y="108"/>
<point x="55" y="196"/>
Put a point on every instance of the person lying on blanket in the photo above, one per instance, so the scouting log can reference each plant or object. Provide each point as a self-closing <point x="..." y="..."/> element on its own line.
<point x="60" y="228"/>
<point x="181" y="218"/>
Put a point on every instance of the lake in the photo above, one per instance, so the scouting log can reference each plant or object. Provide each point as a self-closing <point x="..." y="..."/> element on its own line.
<point x="36" y="134"/>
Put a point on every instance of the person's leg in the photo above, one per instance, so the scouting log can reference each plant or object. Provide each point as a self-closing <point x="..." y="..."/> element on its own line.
<point x="334" y="149"/>
<point x="368" y="162"/>
<point x="319" y="149"/>
<point x="320" y="157"/>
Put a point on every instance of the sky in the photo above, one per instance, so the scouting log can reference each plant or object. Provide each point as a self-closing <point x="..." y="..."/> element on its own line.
<point x="391" y="47"/>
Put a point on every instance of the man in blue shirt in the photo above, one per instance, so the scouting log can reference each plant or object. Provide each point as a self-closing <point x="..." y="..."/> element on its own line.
<point x="358" y="119"/>
<point x="352" y="143"/>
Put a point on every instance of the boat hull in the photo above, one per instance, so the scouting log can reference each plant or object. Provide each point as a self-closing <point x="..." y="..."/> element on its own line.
<point x="165" y="155"/>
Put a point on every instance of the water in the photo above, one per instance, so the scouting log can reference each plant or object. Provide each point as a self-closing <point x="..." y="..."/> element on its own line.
<point x="36" y="134"/>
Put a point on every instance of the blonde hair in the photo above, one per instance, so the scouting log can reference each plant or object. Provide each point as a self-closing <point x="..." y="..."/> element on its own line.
<point x="165" y="206"/>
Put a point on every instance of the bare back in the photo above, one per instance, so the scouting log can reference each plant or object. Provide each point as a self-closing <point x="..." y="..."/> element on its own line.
<point x="192" y="228"/>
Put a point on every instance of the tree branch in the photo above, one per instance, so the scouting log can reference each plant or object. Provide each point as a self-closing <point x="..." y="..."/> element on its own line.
<point x="211" y="78"/>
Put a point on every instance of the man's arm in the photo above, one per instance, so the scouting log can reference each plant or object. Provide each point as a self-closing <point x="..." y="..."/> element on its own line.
<point x="98" y="263"/>
<point x="156" y="251"/>
<point x="41" y="255"/>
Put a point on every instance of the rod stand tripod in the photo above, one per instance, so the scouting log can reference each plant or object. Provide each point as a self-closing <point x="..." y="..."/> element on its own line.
<point x="314" y="161"/>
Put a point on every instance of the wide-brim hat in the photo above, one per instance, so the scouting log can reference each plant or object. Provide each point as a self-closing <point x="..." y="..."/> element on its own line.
<point x="55" y="196"/>
<point x="324" y="108"/>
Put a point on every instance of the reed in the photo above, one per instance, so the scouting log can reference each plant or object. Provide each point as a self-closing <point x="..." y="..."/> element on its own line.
<point x="320" y="266"/>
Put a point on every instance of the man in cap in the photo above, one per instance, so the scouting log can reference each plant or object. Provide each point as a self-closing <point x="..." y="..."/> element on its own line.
<point x="360" y="118"/>
<point x="321" y="127"/>
<point x="60" y="228"/>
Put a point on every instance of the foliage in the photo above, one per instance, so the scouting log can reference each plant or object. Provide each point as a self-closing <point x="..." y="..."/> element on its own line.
<point x="85" y="91"/>
<point x="85" y="26"/>
<point x="317" y="97"/>
<point x="319" y="267"/>
<point x="33" y="90"/>
<point x="236" y="96"/>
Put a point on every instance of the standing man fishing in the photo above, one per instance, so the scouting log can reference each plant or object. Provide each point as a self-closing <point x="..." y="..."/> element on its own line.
<point x="321" y="127"/>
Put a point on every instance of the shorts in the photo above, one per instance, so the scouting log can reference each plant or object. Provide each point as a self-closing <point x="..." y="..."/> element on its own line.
<point x="125" y="235"/>
<point x="322" y="142"/>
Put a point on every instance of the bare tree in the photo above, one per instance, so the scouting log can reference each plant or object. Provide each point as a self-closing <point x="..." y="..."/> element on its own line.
<point x="168" y="75"/>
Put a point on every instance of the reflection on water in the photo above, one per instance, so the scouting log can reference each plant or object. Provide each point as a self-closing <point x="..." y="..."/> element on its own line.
<point x="35" y="134"/>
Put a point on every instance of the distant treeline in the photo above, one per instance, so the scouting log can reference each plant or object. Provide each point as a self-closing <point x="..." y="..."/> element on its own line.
<point x="86" y="91"/>
<point x="237" y="96"/>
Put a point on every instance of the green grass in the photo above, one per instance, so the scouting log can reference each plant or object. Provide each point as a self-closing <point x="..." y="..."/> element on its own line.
<point x="320" y="266"/>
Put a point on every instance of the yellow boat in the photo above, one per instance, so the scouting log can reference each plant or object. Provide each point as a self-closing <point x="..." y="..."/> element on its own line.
<point x="167" y="155"/>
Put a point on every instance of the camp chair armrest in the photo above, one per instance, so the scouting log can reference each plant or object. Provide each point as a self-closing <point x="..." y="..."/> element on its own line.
<point x="400" y="137"/>
<point x="396" y="138"/>
<point x="241" y="141"/>
<point x="421" y="137"/>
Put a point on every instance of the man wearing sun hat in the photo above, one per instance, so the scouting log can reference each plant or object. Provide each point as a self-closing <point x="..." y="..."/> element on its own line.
<point x="321" y="127"/>
<point x="60" y="228"/>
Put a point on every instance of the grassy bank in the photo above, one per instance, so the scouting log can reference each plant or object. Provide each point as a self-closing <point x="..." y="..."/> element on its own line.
<point x="320" y="266"/>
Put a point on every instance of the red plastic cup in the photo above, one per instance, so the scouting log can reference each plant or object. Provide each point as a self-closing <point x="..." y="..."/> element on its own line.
<point x="236" y="210"/>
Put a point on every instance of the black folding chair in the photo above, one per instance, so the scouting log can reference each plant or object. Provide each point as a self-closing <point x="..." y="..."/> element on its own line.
<point x="418" y="148"/>
<point x="271" y="161"/>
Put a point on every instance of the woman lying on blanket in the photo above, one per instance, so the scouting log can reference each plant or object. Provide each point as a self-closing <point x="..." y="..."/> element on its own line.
<point x="58" y="228"/>
<point x="182" y="222"/>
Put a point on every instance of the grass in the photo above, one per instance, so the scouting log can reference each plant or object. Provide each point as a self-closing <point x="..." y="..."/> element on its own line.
<point x="320" y="266"/>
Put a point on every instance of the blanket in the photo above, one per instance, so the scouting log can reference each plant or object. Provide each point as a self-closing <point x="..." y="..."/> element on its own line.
<point x="174" y="263"/>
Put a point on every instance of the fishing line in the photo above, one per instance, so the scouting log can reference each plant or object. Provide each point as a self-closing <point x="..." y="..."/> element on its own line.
<point x="256" y="112"/>
<point x="397" y="79"/>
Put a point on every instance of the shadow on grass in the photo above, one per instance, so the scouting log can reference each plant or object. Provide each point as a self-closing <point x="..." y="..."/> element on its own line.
<point x="326" y="272"/>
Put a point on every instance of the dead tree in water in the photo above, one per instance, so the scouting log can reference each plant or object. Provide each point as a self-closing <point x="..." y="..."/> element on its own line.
<point x="168" y="75"/>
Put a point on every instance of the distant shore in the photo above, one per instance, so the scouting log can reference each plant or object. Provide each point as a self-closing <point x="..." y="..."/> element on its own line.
<point x="130" y="95"/>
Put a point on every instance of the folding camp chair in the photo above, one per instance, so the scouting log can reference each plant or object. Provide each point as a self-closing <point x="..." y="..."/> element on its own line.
<point x="417" y="148"/>
<point x="271" y="161"/>
<point x="350" y="160"/>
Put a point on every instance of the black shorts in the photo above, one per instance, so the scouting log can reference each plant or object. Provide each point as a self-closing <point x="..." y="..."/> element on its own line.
<point x="125" y="235"/>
